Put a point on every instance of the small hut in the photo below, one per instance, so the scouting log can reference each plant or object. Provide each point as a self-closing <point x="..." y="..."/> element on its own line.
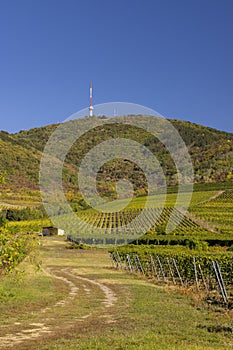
<point x="52" y="231"/>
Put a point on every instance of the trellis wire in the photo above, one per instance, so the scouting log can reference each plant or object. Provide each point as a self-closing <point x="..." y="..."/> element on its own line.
<point x="157" y="268"/>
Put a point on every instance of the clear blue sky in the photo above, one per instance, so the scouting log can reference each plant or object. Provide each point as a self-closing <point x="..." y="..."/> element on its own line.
<point x="175" y="56"/>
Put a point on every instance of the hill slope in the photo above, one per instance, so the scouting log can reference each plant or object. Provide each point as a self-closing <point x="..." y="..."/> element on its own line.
<point x="211" y="152"/>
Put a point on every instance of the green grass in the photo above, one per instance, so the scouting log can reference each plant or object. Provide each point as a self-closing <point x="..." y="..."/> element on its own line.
<point x="144" y="316"/>
<point x="26" y="290"/>
<point x="155" y="319"/>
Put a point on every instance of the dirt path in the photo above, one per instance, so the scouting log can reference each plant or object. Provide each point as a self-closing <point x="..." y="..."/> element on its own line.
<point x="97" y="307"/>
<point x="211" y="198"/>
<point x="86" y="297"/>
<point x="38" y="329"/>
<point x="203" y="224"/>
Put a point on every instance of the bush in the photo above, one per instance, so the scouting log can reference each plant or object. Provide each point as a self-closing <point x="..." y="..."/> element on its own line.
<point x="196" y="244"/>
<point x="3" y="220"/>
<point x="13" y="249"/>
<point x="25" y="214"/>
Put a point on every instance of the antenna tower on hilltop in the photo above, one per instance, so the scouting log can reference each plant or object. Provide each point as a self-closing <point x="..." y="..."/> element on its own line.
<point x="91" y="106"/>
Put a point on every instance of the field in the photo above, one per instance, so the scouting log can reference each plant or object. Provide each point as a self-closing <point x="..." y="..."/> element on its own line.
<point x="83" y="299"/>
<point x="78" y="301"/>
<point x="218" y="212"/>
<point x="198" y="223"/>
<point x="155" y="201"/>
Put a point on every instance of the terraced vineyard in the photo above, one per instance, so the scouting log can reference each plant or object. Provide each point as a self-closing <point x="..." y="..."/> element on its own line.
<point x="190" y="255"/>
<point x="127" y="226"/>
<point x="111" y="221"/>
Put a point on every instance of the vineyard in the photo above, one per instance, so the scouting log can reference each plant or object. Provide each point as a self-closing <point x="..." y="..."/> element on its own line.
<point x="154" y="201"/>
<point x="217" y="212"/>
<point x="206" y="272"/>
<point x="190" y="256"/>
<point x="120" y="228"/>
<point x="130" y="225"/>
<point x="30" y="226"/>
<point x="188" y="242"/>
<point x="110" y="221"/>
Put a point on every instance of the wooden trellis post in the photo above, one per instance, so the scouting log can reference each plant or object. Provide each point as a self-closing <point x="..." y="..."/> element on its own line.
<point x="113" y="259"/>
<point x="177" y="271"/>
<point x="203" y="278"/>
<point x="161" y="267"/>
<point x="128" y="260"/>
<point x="140" y="265"/>
<point x="219" y="280"/>
<point x="136" y="264"/>
<point x="195" y="271"/>
<point x="119" y="259"/>
<point x="154" y="267"/>
<point x="171" y="272"/>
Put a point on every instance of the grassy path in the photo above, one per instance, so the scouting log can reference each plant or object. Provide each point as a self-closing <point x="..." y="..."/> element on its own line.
<point x="79" y="302"/>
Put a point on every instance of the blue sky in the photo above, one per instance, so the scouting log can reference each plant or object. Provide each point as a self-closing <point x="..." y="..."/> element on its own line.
<point x="175" y="56"/>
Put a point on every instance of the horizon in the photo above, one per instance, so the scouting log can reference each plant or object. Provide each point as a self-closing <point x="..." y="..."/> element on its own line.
<point x="86" y="116"/>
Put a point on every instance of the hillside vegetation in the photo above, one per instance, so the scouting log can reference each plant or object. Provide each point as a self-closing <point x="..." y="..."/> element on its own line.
<point x="211" y="152"/>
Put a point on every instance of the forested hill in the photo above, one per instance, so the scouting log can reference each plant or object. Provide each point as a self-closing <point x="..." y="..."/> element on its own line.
<point x="211" y="152"/>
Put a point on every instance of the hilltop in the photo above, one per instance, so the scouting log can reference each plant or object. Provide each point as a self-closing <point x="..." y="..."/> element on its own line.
<point x="211" y="152"/>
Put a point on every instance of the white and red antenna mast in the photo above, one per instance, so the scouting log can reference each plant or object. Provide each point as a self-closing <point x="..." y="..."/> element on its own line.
<point x="91" y="106"/>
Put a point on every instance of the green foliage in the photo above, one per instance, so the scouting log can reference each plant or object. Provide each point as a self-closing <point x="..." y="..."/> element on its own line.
<point x="218" y="212"/>
<point x="3" y="220"/>
<point x="112" y="222"/>
<point x="160" y="229"/>
<point x="32" y="226"/>
<point x="197" y="244"/>
<point x="79" y="205"/>
<point x="13" y="249"/>
<point x="211" y="152"/>
<point x="2" y="177"/>
<point x="25" y="214"/>
<point x="183" y="257"/>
